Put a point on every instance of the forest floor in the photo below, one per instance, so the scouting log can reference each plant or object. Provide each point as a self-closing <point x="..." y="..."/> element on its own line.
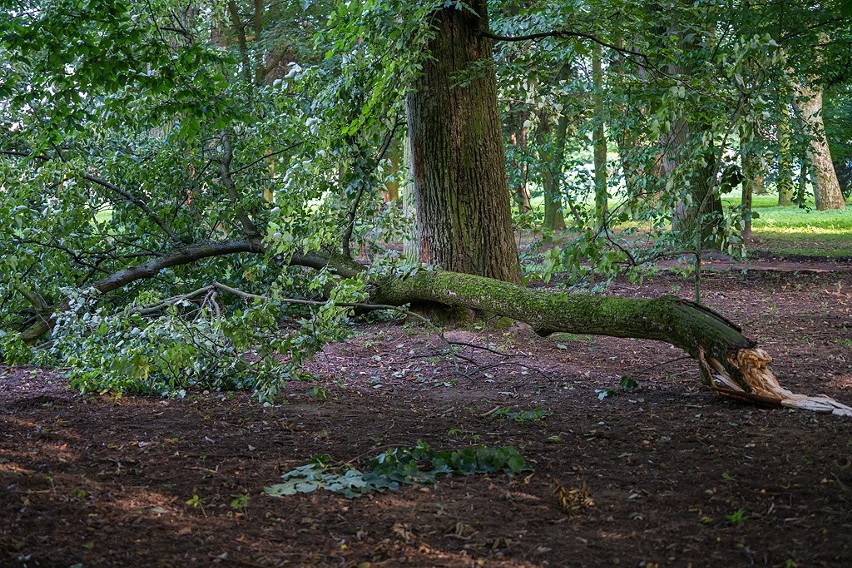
<point x="673" y="474"/>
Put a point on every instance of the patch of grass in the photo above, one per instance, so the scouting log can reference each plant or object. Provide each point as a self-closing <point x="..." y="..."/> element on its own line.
<point x="534" y="415"/>
<point x="569" y="337"/>
<point x="796" y="231"/>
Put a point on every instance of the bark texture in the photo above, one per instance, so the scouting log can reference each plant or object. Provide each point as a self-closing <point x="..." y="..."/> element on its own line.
<point x="457" y="159"/>
<point x="827" y="194"/>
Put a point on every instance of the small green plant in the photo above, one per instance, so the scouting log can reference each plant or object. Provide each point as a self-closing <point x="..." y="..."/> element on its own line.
<point x="534" y="415"/>
<point x="628" y="384"/>
<point x="737" y="516"/>
<point x="240" y="503"/>
<point x="395" y="467"/>
<point x="319" y="394"/>
<point x="727" y="477"/>
<point x="196" y="503"/>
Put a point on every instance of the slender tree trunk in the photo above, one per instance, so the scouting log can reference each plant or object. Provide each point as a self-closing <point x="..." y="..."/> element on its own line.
<point x="517" y="158"/>
<point x="690" y="215"/>
<point x="521" y="189"/>
<point x="700" y="206"/>
<point x="748" y="189"/>
<point x="551" y="154"/>
<point x="802" y="189"/>
<point x="752" y="175"/>
<point x="599" y="140"/>
<point x="785" y="158"/>
<point x="458" y="165"/>
<point x="391" y="191"/>
<point x="827" y="194"/>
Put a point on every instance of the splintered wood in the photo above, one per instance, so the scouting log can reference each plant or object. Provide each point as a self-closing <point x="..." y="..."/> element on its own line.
<point x="763" y="385"/>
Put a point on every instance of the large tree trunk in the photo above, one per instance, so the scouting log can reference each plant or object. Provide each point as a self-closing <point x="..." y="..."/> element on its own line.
<point x="827" y="194"/>
<point x="458" y="165"/>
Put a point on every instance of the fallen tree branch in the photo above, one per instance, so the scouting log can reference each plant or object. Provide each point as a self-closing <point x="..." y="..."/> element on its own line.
<point x="730" y="363"/>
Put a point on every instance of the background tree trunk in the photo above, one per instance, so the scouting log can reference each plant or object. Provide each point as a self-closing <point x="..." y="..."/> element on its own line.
<point x="785" y="158"/>
<point x="748" y="187"/>
<point x="802" y="188"/>
<point x="827" y="194"/>
<point x="519" y="162"/>
<point x="599" y="140"/>
<point x="551" y="154"/>
<point x="457" y="159"/>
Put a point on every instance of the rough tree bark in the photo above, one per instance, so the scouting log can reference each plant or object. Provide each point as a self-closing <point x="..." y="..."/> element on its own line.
<point x="457" y="160"/>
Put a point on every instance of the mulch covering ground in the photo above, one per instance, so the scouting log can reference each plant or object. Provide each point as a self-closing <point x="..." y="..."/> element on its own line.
<point x="676" y="476"/>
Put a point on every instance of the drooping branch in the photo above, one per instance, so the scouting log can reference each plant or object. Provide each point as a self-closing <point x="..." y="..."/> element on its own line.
<point x="187" y="255"/>
<point x="138" y="202"/>
<point x="32" y="297"/>
<point x="149" y="269"/>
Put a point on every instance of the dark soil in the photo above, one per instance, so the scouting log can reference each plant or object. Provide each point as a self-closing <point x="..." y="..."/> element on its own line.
<point x="677" y="475"/>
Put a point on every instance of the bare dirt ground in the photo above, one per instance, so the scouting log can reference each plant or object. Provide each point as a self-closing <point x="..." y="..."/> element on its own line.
<point x="677" y="475"/>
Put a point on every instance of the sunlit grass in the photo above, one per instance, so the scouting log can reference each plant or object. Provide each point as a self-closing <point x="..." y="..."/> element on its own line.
<point x="800" y="231"/>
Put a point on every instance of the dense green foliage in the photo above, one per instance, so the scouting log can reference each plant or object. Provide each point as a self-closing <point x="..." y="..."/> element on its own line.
<point x="130" y="132"/>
